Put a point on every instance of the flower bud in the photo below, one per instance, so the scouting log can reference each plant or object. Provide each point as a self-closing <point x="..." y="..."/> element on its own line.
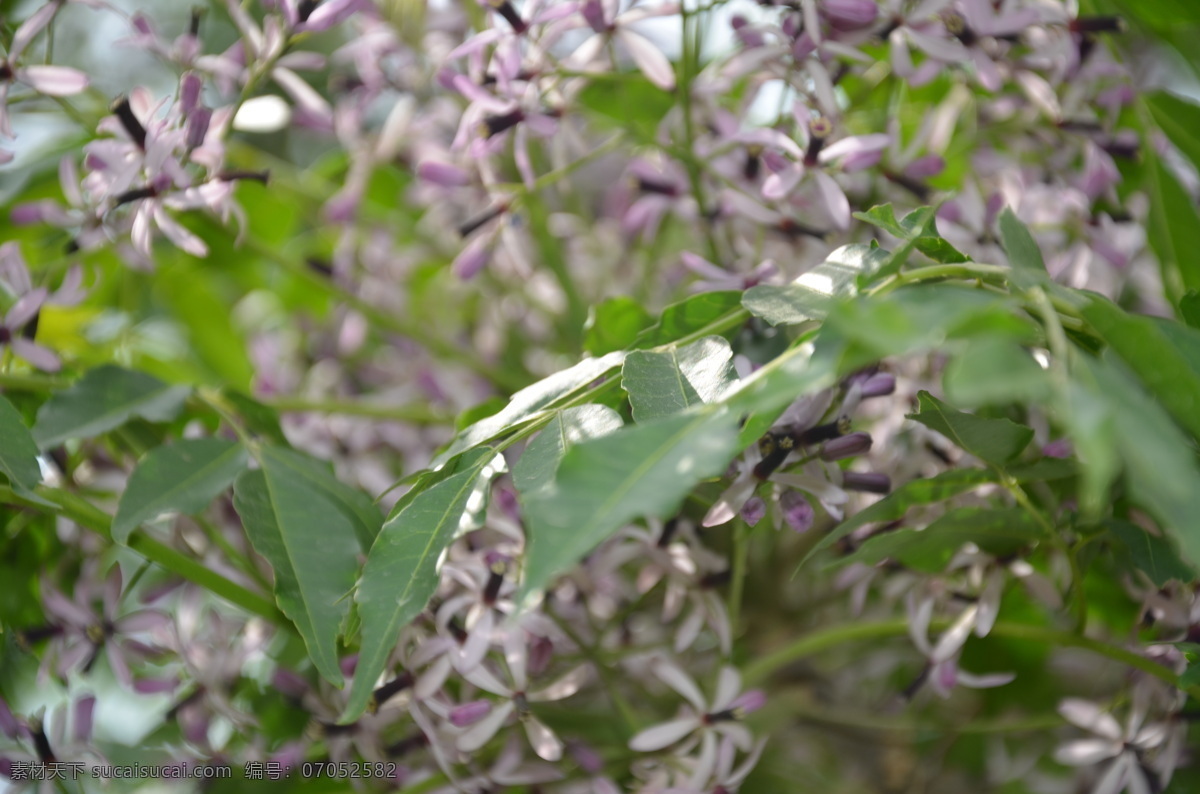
<point x="754" y="510"/>
<point x="880" y="384"/>
<point x="868" y="482"/>
<point x="797" y="512"/>
<point x="470" y="713"/>
<point x="846" y="446"/>
<point x="850" y="14"/>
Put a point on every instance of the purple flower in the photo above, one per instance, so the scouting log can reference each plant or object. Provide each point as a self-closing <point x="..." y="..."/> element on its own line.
<point x="83" y="633"/>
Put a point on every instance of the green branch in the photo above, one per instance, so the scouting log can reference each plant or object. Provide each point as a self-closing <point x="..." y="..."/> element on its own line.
<point x="87" y="515"/>
<point x="823" y="639"/>
<point x="418" y="414"/>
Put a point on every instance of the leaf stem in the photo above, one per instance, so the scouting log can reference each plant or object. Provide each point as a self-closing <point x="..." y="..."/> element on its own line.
<point x="32" y="382"/>
<point x="741" y="556"/>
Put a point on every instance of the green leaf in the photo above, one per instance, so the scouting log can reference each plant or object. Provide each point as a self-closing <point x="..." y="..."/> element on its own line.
<point x="259" y="419"/>
<point x="529" y="402"/>
<point x="995" y="441"/>
<point x="1161" y="467"/>
<point x="1179" y="119"/>
<point x="994" y="370"/>
<point x="196" y="303"/>
<point x="354" y="505"/>
<point x="687" y="317"/>
<point x="1173" y="227"/>
<point x="183" y="477"/>
<point x="1166" y="356"/>
<point x="614" y="324"/>
<point x="603" y="484"/>
<point x="312" y="550"/>
<point x="1154" y="555"/>
<point x="918" y="230"/>
<point x="1023" y="252"/>
<point x="105" y="398"/>
<point x="1000" y="532"/>
<point x="538" y="464"/>
<point x="883" y="217"/>
<point x="1189" y="309"/>
<point x="810" y="296"/>
<point x="921" y="318"/>
<point x="18" y="452"/>
<point x="662" y="384"/>
<point x="401" y="573"/>
<point x="896" y="505"/>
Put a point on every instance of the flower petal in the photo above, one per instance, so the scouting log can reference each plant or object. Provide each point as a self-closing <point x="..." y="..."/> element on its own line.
<point x="663" y="735"/>
<point x="649" y="58"/>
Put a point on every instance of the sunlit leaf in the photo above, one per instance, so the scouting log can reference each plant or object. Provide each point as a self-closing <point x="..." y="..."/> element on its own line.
<point x="811" y="295"/>
<point x="664" y="383"/>
<point x="539" y="462"/>
<point x="603" y="484"/>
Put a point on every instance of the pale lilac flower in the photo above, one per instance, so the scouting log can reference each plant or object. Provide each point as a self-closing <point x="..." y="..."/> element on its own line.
<point x="712" y="722"/>
<point x="602" y="17"/>
<point x="1143" y="755"/>
<point x="516" y="699"/>
<point x="84" y="632"/>
<point x="713" y="277"/>
<point x="57" y="81"/>
<point x="942" y="672"/>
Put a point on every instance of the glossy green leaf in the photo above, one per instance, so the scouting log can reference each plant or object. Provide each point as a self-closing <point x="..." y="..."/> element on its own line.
<point x="530" y="401"/>
<point x="105" y="398"/>
<point x="1154" y="555"/>
<point x="183" y="477"/>
<point x="401" y="573"/>
<point x="994" y="370"/>
<point x="539" y="462"/>
<point x="603" y="484"/>
<point x="614" y="324"/>
<point x="883" y="216"/>
<point x="1173" y="229"/>
<point x="917" y="230"/>
<point x="18" y="452"/>
<point x="896" y="505"/>
<point x="312" y="550"/>
<point x="687" y="317"/>
<point x="354" y="505"/>
<point x="1189" y="309"/>
<point x="1000" y="532"/>
<point x="1166" y="356"/>
<point x="664" y="383"/>
<point x="811" y="295"/>
<point x="940" y="250"/>
<point x="995" y="441"/>
<point x="259" y="419"/>
<point x="1160" y="466"/>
